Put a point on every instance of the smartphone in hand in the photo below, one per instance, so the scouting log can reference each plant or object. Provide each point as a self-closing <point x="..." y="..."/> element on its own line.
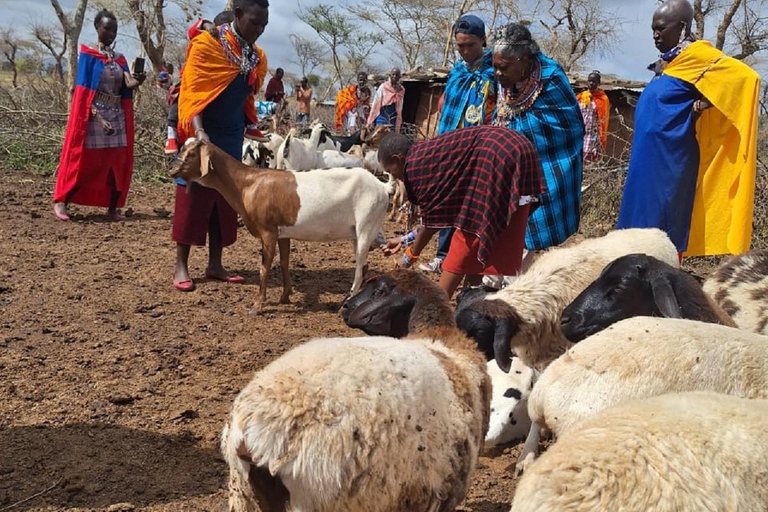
<point x="138" y="66"/>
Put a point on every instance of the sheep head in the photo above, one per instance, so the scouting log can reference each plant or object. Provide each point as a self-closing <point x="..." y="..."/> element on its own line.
<point x="633" y="285"/>
<point x="194" y="161"/>
<point x="492" y="323"/>
<point x="396" y="304"/>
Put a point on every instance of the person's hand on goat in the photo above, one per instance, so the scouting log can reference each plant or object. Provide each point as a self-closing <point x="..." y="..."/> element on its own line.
<point x="202" y="136"/>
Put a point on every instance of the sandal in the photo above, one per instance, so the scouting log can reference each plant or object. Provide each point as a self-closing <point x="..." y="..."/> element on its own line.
<point x="232" y="278"/>
<point x="60" y="215"/>
<point x="184" y="286"/>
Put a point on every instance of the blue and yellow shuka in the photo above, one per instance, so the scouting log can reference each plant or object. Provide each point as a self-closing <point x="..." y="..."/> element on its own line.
<point x="694" y="177"/>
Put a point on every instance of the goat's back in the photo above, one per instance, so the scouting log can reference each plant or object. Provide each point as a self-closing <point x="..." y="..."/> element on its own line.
<point x="338" y="204"/>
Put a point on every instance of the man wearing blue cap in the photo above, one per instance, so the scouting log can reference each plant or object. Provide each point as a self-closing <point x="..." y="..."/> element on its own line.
<point x="469" y="99"/>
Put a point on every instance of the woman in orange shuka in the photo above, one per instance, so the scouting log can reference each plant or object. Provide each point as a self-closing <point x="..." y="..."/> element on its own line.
<point x="221" y="78"/>
<point x="595" y="109"/>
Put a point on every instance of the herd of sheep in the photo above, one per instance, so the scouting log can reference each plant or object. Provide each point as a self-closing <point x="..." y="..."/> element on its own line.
<point x="653" y="386"/>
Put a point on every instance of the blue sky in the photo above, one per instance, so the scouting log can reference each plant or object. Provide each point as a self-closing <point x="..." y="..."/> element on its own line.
<point x="634" y="47"/>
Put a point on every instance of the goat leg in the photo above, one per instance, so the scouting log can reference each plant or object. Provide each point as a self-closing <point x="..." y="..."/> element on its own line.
<point x="285" y="259"/>
<point x="268" y="247"/>
<point x="530" y="449"/>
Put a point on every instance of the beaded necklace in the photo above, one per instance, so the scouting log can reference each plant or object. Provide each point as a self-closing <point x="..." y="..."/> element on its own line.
<point x="513" y="104"/>
<point x="237" y="49"/>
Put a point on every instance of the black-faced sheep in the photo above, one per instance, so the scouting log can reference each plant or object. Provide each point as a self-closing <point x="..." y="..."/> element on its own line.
<point x="524" y="317"/>
<point x="641" y="357"/>
<point x="638" y="285"/>
<point x="740" y="287"/>
<point x="674" y="453"/>
<point x="365" y="424"/>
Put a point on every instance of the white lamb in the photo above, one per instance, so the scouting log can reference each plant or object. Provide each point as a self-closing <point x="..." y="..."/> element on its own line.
<point x="373" y="424"/>
<point x="641" y="357"/>
<point x="509" y="403"/>
<point x="674" y="453"/>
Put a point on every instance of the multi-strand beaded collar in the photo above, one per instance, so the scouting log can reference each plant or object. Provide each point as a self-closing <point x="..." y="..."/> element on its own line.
<point x="516" y="100"/>
<point x="237" y="49"/>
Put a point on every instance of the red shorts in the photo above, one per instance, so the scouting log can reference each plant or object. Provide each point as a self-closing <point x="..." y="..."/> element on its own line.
<point x="506" y="254"/>
<point x="192" y="216"/>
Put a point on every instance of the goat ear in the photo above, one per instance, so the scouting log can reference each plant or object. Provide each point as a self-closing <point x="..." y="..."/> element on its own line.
<point x="287" y="146"/>
<point x="502" y="335"/>
<point x="205" y="159"/>
<point x="664" y="297"/>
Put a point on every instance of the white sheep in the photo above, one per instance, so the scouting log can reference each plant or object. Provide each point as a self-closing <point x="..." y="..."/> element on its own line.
<point x="740" y="287"/>
<point x="674" y="453"/>
<point x="509" y="403"/>
<point x="364" y="424"/>
<point x="524" y="317"/>
<point x="332" y="204"/>
<point x="641" y="357"/>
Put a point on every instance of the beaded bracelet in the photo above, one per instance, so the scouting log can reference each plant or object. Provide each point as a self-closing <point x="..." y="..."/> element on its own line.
<point x="409" y="258"/>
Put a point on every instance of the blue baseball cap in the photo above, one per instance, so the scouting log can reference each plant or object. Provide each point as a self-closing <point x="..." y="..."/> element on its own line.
<point x="470" y="24"/>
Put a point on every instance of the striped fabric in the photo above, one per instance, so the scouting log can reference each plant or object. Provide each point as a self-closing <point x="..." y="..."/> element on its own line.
<point x="467" y="88"/>
<point x="554" y="125"/>
<point x="472" y="179"/>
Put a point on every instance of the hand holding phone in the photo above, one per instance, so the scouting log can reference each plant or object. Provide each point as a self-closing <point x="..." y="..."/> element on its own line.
<point x="138" y="66"/>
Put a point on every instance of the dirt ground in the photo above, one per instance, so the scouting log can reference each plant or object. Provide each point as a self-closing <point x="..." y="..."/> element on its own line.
<point x="114" y="385"/>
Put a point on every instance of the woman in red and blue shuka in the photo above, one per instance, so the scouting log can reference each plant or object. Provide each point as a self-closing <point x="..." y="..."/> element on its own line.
<point x="97" y="156"/>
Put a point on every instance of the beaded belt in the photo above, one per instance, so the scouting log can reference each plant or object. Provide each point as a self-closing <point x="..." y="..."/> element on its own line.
<point x="102" y="97"/>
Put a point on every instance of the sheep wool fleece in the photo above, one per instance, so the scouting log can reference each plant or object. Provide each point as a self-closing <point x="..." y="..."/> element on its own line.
<point x="364" y="424"/>
<point x="674" y="453"/>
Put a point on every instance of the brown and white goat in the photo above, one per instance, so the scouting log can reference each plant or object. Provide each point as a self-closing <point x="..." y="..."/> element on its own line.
<point x="332" y="204"/>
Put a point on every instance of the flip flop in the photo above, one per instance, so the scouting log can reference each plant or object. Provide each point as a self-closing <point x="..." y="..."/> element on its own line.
<point x="60" y="216"/>
<point x="184" y="286"/>
<point x="233" y="278"/>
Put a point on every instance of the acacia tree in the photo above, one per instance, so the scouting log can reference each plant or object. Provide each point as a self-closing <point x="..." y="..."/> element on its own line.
<point x="153" y="27"/>
<point x="309" y="54"/>
<point x="11" y="47"/>
<point x="71" y="25"/>
<point x="408" y="24"/>
<point x="575" y="29"/>
<point x="344" y="39"/>
<point x="741" y="25"/>
<point x="46" y="36"/>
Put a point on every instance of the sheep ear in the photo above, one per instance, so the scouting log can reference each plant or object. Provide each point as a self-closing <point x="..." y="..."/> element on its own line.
<point x="502" y="335"/>
<point x="205" y="159"/>
<point x="664" y="297"/>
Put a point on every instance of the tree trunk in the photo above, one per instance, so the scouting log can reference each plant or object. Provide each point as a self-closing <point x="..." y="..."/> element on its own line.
<point x="72" y="28"/>
<point x="449" y="39"/>
<point x="698" y="16"/>
<point x="722" y="29"/>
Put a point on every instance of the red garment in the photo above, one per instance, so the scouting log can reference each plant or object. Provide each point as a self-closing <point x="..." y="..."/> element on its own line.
<point x="192" y="216"/>
<point x="506" y="256"/>
<point x="93" y="173"/>
<point x="275" y="91"/>
<point x="472" y="179"/>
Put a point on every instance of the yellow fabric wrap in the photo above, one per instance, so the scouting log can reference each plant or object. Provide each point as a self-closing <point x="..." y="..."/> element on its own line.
<point x="727" y="136"/>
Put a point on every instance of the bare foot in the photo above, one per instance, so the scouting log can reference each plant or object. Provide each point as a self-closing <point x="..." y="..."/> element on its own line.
<point x="60" y="210"/>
